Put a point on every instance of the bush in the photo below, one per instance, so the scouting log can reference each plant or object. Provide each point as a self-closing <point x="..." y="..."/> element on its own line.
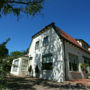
<point x="83" y="67"/>
<point x="30" y="68"/>
<point x="36" y="69"/>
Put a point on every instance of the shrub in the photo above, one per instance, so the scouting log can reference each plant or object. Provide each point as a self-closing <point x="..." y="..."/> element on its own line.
<point x="83" y="67"/>
<point x="30" y="68"/>
<point x="36" y="69"/>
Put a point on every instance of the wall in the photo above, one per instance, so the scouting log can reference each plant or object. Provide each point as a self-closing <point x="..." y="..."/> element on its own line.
<point x="55" y="46"/>
<point x="76" y="51"/>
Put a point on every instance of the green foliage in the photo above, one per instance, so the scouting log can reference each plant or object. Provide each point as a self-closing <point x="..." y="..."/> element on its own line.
<point x="16" y="54"/>
<point x="30" y="68"/>
<point x="3" y="49"/>
<point x="83" y="67"/>
<point x="6" y="61"/>
<point x="29" y="7"/>
<point x="3" y="63"/>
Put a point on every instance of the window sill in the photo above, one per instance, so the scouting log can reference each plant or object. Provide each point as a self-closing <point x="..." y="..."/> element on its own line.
<point x="46" y="70"/>
<point x="45" y="45"/>
<point x="74" y="71"/>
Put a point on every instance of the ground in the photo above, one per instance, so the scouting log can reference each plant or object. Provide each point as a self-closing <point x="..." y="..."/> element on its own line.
<point x="27" y="83"/>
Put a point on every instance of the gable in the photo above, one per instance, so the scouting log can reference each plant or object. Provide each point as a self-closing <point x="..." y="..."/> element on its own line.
<point x="62" y="34"/>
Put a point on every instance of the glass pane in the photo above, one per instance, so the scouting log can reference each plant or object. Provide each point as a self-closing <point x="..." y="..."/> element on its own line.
<point x="47" y="66"/>
<point x="47" y="63"/>
<point x="45" y="40"/>
<point x="73" y="62"/>
<point x="24" y="64"/>
<point x="15" y="66"/>
<point x="37" y="45"/>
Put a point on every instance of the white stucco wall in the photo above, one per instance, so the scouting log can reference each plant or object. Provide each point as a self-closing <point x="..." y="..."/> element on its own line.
<point x="76" y="51"/>
<point x="55" y="46"/>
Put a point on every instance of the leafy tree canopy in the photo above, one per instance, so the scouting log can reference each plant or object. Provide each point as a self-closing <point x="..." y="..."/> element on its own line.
<point x="16" y="54"/>
<point x="29" y="7"/>
<point x="3" y="49"/>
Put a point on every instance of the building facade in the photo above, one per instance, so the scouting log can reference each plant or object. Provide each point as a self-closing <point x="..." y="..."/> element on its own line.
<point x="56" y="56"/>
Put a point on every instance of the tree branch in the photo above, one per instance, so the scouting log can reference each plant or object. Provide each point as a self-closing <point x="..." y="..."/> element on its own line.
<point x="18" y="2"/>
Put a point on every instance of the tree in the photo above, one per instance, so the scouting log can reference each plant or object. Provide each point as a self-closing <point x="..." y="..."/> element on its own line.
<point x="29" y="7"/>
<point x="3" y="49"/>
<point x="84" y="67"/>
<point x="30" y="68"/>
<point x="16" y="54"/>
<point x="3" y="55"/>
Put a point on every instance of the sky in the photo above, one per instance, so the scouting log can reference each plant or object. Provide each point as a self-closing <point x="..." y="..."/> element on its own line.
<point x="72" y="16"/>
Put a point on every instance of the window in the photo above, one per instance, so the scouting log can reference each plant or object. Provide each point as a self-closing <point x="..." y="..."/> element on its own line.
<point x="86" y="60"/>
<point x="24" y="64"/>
<point x="83" y="45"/>
<point x="45" y="41"/>
<point x="37" y="45"/>
<point x="73" y="62"/>
<point x="30" y="58"/>
<point x="47" y="62"/>
<point x="15" y="65"/>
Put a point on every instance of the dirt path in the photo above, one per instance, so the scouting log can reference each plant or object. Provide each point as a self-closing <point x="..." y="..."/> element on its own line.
<point x="18" y="83"/>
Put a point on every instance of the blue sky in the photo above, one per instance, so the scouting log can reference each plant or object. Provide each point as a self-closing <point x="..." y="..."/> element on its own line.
<point x="72" y="16"/>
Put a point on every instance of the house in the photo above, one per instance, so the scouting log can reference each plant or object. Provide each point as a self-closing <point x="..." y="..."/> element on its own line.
<point x="56" y="56"/>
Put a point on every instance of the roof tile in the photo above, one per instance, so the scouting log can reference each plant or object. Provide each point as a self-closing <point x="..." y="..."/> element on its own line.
<point x="70" y="39"/>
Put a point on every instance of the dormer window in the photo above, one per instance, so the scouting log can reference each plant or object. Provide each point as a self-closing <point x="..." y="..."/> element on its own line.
<point x="83" y="45"/>
<point x="37" y="45"/>
<point x="45" y="41"/>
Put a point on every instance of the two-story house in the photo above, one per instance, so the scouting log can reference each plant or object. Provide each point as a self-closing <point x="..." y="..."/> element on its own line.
<point x="55" y="55"/>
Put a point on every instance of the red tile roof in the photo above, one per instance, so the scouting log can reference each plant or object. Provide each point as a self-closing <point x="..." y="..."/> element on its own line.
<point x="70" y="39"/>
